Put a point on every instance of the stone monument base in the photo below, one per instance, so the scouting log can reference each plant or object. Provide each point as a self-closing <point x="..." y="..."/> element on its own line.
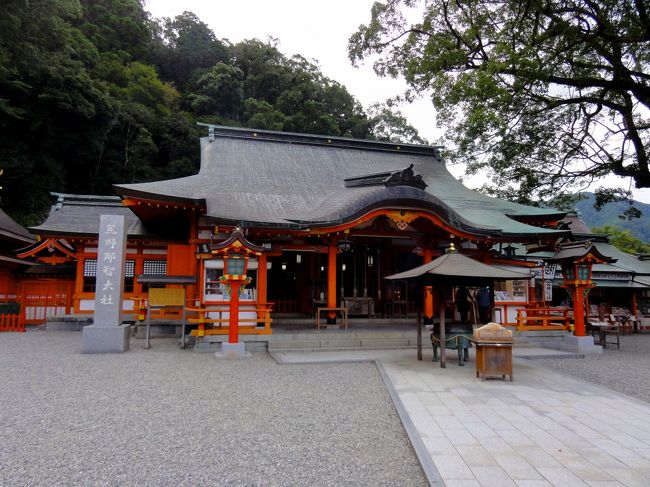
<point x="232" y="350"/>
<point x="577" y="344"/>
<point x="105" y="339"/>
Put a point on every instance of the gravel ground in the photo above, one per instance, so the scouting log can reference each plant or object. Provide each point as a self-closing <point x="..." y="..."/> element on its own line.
<point x="625" y="370"/>
<point x="167" y="416"/>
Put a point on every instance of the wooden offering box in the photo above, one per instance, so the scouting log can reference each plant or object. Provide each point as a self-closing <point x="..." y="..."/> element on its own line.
<point x="493" y="351"/>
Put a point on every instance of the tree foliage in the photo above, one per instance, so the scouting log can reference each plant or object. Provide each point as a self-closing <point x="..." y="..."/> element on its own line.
<point x="547" y="95"/>
<point x="391" y="126"/>
<point x="95" y="92"/>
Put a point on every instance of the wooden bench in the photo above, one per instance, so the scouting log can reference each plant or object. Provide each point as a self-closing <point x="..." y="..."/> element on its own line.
<point x="339" y="309"/>
<point x="604" y="330"/>
<point x="625" y="323"/>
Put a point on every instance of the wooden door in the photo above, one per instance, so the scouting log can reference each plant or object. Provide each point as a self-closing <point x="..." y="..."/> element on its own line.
<point x="41" y="299"/>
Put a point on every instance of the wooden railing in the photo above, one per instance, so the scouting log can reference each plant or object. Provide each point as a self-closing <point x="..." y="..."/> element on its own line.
<point x="12" y="323"/>
<point x="286" y="306"/>
<point x="210" y="319"/>
<point x="538" y="318"/>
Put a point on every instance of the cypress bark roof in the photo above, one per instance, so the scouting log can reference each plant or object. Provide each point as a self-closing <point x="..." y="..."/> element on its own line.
<point x="12" y="231"/>
<point x="291" y="180"/>
<point x="77" y="215"/>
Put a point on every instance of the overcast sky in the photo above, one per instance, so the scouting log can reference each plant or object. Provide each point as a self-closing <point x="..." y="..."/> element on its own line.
<point x="318" y="31"/>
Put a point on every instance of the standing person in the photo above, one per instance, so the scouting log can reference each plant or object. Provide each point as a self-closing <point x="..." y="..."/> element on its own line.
<point x="483" y="302"/>
<point x="462" y="303"/>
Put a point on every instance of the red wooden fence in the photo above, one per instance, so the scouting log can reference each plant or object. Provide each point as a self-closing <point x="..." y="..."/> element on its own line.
<point x="11" y="323"/>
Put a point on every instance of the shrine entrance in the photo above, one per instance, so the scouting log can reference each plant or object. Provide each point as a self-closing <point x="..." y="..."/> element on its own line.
<point x="298" y="280"/>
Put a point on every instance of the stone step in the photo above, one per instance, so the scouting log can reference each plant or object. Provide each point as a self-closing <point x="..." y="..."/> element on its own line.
<point x="344" y="335"/>
<point x="538" y="333"/>
<point x="332" y="349"/>
<point x="348" y="343"/>
<point x="312" y="343"/>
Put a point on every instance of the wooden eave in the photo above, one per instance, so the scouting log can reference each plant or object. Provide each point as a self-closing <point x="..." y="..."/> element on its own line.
<point x="49" y="247"/>
<point x="512" y="262"/>
<point x="150" y="209"/>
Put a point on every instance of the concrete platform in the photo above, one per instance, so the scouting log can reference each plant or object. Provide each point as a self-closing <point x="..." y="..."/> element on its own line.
<point x="543" y="429"/>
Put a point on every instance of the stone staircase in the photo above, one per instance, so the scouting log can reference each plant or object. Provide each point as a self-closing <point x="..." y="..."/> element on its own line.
<point x="325" y="340"/>
<point x="543" y="339"/>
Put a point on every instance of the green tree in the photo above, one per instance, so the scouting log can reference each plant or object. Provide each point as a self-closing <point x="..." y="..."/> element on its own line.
<point x="623" y="240"/>
<point x="118" y="26"/>
<point x="292" y="94"/>
<point x="184" y="48"/>
<point x="391" y="126"/>
<point x="78" y="111"/>
<point x="262" y="115"/>
<point x="219" y="90"/>
<point x="546" y="95"/>
<point x="93" y="92"/>
<point x="49" y="101"/>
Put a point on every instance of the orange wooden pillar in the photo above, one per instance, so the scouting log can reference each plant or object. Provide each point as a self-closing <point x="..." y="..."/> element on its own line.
<point x="261" y="285"/>
<point x="579" y="311"/>
<point x="331" y="281"/>
<point x="427" y="255"/>
<point x="233" y="322"/>
<point x="261" y="279"/>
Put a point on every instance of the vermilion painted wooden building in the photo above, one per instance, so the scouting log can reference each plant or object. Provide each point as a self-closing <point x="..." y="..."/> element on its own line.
<point x="334" y="216"/>
<point x="12" y="237"/>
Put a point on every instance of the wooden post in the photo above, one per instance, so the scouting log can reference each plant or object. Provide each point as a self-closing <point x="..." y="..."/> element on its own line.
<point x="427" y="255"/>
<point x="578" y="311"/>
<point x="419" y="335"/>
<point x="443" y="363"/>
<point x="331" y="282"/>
<point x="233" y="331"/>
<point x="261" y="279"/>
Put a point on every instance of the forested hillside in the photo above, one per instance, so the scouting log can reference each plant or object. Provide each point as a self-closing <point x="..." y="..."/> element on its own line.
<point x="95" y="92"/>
<point x="609" y="216"/>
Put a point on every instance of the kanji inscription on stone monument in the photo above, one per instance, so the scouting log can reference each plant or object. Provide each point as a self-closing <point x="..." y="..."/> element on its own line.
<point x="111" y="256"/>
<point x="108" y="334"/>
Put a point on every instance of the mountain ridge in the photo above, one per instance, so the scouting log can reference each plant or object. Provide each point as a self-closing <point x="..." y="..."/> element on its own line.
<point x="608" y="215"/>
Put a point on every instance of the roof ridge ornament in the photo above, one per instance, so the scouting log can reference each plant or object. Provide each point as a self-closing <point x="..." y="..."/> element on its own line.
<point x="405" y="177"/>
<point x="401" y="177"/>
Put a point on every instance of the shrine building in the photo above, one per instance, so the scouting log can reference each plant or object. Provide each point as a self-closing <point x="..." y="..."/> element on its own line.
<point x="333" y="216"/>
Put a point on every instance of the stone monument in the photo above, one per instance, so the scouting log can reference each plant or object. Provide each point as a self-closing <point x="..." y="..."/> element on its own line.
<point x="107" y="334"/>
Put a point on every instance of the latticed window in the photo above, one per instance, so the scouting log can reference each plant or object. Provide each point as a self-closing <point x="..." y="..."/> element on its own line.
<point x="155" y="268"/>
<point x="129" y="273"/>
<point x="90" y="275"/>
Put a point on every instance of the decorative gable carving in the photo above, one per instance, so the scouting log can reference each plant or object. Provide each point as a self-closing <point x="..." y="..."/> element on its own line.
<point x="50" y="251"/>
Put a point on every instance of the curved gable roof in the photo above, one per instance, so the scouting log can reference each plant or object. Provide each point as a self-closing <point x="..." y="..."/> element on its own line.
<point x="278" y="179"/>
